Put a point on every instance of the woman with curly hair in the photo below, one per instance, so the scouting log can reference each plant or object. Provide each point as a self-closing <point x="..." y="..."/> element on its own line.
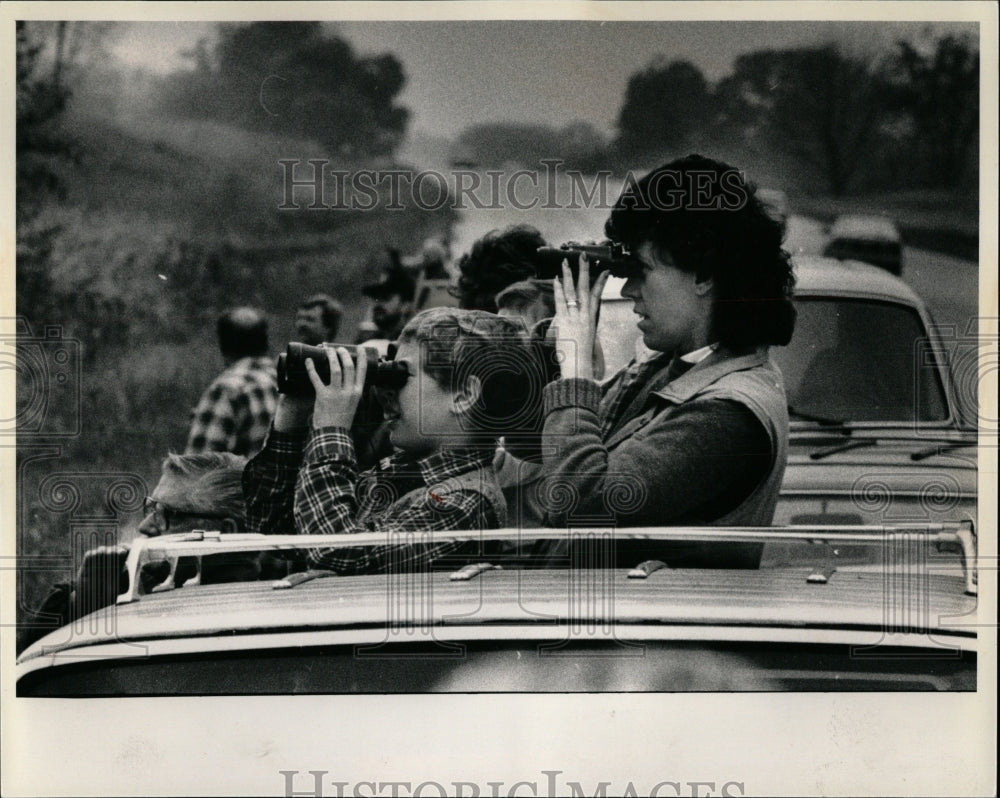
<point x="697" y="434"/>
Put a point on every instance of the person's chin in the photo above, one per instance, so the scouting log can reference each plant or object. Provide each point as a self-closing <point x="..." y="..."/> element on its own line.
<point x="413" y="447"/>
<point x="397" y="437"/>
<point x="654" y="343"/>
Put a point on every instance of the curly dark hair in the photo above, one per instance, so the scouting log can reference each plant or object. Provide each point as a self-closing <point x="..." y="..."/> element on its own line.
<point x="707" y="217"/>
<point x="495" y="261"/>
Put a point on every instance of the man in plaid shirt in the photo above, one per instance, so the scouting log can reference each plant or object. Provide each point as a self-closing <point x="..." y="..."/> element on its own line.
<point x="468" y="370"/>
<point x="234" y="412"/>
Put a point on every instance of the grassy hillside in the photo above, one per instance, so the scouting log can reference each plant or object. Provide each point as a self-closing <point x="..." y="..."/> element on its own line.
<point x="164" y="223"/>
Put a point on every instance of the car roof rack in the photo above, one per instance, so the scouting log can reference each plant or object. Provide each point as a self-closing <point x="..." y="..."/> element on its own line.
<point x="198" y="543"/>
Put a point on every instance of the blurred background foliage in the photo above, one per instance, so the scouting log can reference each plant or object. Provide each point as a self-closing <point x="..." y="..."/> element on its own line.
<point x="836" y="122"/>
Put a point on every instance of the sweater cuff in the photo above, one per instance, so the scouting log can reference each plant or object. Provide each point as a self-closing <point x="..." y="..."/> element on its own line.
<point x="329" y="443"/>
<point x="287" y="442"/>
<point x="574" y="392"/>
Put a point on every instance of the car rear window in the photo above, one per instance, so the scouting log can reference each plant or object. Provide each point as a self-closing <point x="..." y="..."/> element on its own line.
<point x="857" y="360"/>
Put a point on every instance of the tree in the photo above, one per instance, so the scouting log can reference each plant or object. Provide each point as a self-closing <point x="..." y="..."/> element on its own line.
<point x="494" y="144"/>
<point x="821" y="106"/>
<point x="938" y="92"/>
<point x="664" y="106"/>
<point x="291" y="77"/>
<point x="40" y="144"/>
<point x="52" y="59"/>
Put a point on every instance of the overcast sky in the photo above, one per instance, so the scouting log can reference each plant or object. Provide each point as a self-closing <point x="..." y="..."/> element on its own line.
<point x="459" y="73"/>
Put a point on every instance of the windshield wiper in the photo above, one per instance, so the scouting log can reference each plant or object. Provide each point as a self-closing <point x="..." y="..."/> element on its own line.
<point x="819" y="454"/>
<point x="923" y="454"/>
<point x="829" y="422"/>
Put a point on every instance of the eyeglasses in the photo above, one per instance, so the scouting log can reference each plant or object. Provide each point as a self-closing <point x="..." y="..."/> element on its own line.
<point x="164" y="515"/>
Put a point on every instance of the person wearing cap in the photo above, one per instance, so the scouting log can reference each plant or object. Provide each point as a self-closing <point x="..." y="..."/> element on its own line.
<point x="392" y="298"/>
<point x="698" y="433"/>
<point x="430" y="264"/>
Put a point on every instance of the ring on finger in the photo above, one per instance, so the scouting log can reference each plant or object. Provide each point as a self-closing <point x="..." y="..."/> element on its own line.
<point x="572" y="303"/>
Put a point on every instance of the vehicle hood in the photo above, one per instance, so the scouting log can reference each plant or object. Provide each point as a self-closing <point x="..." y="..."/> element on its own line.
<point x="874" y="478"/>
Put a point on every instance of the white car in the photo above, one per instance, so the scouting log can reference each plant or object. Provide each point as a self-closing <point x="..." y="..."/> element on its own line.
<point x="813" y="617"/>
<point x="870" y="239"/>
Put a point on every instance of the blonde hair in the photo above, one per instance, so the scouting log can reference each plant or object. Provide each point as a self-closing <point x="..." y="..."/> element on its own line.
<point x="216" y="482"/>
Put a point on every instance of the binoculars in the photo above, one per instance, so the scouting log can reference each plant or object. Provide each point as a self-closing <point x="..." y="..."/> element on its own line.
<point x="614" y="257"/>
<point x="293" y="379"/>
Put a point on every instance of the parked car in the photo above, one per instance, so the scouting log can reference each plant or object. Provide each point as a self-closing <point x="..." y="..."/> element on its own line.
<point x="870" y="239"/>
<point x="877" y="434"/>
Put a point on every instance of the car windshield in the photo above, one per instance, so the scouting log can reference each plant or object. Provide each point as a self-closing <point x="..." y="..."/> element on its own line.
<point x="857" y="360"/>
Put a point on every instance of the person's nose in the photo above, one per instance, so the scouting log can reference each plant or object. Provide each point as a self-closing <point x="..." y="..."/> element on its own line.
<point x="631" y="288"/>
<point x="149" y="526"/>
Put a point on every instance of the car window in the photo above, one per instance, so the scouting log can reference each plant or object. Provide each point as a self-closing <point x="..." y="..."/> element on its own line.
<point x="856" y="360"/>
<point x="619" y="335"/>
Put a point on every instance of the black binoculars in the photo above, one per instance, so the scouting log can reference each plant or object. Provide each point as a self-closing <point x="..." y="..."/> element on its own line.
<point x="293" y="379"/>
<point x="614" y="257"/>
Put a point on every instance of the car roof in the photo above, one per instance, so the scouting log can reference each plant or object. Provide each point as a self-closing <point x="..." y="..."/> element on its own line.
<point x="613" y="289"/>
<point x="508" y="604"/>
<point x="861" y="226"/>
<point x="773" y="196"/>
<point x="782" y="593"/>
<point x="821" y="276"/>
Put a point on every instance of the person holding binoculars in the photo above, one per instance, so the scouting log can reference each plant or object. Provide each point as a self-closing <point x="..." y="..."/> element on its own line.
<point x="696" y="434"/>
<point x="458" y="380"/>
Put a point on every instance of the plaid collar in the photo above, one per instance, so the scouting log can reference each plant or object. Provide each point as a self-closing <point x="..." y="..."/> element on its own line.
<point x="442" y="464"/>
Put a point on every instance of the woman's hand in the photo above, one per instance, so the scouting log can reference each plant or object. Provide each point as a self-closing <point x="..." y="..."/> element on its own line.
<point x="337" y="402"/>
<point x="576" y="320"/>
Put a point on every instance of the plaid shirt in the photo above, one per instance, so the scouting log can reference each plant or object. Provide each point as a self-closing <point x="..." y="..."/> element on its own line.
<point x="234" y="413"/>
<point x="319" y="491"/>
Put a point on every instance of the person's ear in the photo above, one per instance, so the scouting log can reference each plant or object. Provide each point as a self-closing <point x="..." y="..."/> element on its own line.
<point x="703" y="286"/>
<point x="229" y="526"/>
<point x="464" y="399"/>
